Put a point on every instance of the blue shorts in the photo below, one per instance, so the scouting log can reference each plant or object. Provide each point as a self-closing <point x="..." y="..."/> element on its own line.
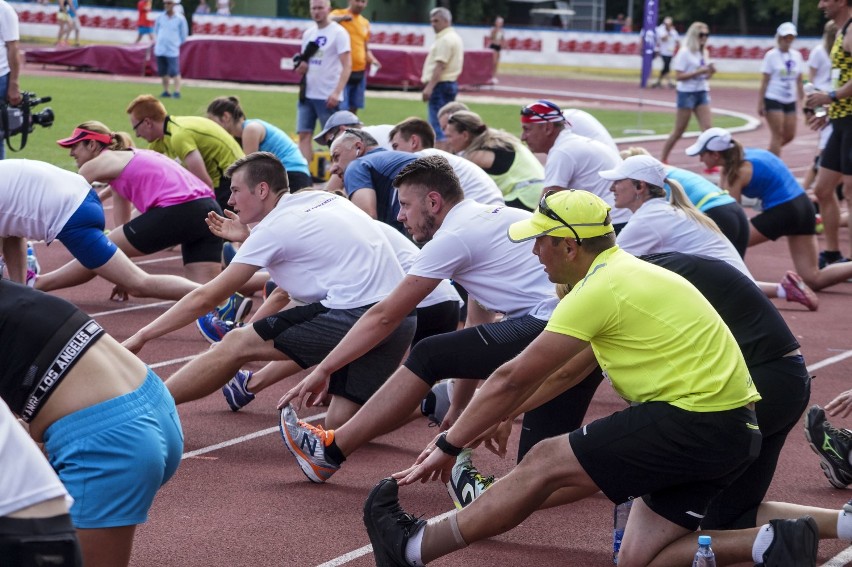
<point x="312" y="110"/>
<point x="354" y="93"/>
<point x="113" y="457"/>
<point x="692" y="100"/>
<point x="168" y="66"/>
<point x="143" y="30"/>
<point x="83" y="234"/>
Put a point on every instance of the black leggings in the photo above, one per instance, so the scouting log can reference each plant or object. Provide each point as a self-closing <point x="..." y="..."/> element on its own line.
<point x="733" y="222"/>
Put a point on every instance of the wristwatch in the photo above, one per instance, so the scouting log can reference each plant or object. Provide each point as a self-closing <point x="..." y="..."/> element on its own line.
<point x="832" y="95"/>
<point x="447" y="447"/>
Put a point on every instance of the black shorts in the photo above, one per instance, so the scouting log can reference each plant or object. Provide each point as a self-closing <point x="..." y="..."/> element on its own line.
<point x="223" y="193"/>
<point x="306" y="334"/>
<point x="837" y="154"/>
<point x="436" y="319"/>
<point x="785" y="386"/>
<point x="795" y="217"/>
<point x="298" y="180"/>
<point x="667" y="64"/>
<point x="39" y="541"/>
<point x="733" y="222"/>
<point x="496" y="47"/>
<point x="162" y="227"/>
<point x="677" y="460"/>
<point x="474" y="352"/>
<point x="775" y="106"/>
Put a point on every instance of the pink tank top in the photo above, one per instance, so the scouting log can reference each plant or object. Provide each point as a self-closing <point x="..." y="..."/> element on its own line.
<point x="151" y="179"/>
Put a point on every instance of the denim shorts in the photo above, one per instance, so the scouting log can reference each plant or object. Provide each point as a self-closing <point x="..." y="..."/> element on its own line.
<point x="692" y="100"/>
<point x="354" y="93"/>
<point x="168" y="66"/>
<point x="311" y="110"/>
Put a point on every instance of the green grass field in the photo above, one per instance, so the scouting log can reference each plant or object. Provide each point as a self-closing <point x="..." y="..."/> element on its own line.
<point x="105" y="99"/>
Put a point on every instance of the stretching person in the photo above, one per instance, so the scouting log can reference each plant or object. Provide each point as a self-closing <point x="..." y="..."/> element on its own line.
<point x="172" y="202"/>
<point x="109" y="427"/>
<point x="39" y="201"/>
<point x="787" y="211"/>
<point x="255" y="134"/>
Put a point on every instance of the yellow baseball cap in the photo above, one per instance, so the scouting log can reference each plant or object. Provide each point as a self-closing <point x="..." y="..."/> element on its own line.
<point x="571" y="212"/>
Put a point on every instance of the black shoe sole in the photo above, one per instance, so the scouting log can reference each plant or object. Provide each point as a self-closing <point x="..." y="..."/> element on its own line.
<point x="383" y="559"/>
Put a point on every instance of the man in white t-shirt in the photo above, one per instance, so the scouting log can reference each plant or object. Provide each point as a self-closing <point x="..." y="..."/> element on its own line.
<point x="325" y="253"/>
<point x="584" y="124"/>
<point x="464" y="241"/>
<point x="10" y="63"/>
<point x="326" y="65"/>
<point x="573" y="161"/>
<point x="667" y="42"/>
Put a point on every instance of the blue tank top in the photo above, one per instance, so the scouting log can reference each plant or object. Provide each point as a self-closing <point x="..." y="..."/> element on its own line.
<point x="280" y="144"/>
<point x="771" y="180"/>
<point x="702" y="193"/>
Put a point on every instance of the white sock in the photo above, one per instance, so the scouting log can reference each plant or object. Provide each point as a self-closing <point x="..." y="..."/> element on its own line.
<point x="412" y="548"/>
<point x="761" y="542"/>
<point x="844" y="525"/>
<point x="779" y="291"/>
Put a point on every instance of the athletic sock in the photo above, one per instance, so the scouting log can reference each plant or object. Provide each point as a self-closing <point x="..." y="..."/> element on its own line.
<point x="779" y="292"/>
<point x="334" y="454"/>
<point x="762" y="543"/>
<point x="413" y="548"/>
<point x="844" y="525"/>
<point x="440" y="538"/>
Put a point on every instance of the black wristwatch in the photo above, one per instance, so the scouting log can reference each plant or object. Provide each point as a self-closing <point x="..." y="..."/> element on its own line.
<point x="832" y="95"/>
<point x="447" y="447"/>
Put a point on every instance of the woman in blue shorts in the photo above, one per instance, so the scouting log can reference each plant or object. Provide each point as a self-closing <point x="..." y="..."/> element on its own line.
<point x="787" y="210"/>
<point x="109" y="426"/>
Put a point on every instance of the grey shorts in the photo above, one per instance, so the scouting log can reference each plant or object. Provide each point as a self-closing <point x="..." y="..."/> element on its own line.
<point x="306" y="334"/>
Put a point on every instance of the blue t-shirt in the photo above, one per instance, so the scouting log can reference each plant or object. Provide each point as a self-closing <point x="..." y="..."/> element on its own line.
<point x="771" y="180"/>
<point x="171" y="32"/>
<point x="702" y="193"/>
<point x="279" y="143"/>
<point x="376" y="170"/>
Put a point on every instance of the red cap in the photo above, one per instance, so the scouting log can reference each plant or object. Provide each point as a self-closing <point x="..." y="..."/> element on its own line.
<point x="81" y="134"/>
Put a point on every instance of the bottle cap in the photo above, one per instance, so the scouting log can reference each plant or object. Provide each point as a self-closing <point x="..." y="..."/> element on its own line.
<point x="704" y="540"/>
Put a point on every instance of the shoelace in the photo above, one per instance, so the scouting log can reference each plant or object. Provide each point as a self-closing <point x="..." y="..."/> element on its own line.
<point x="315" y="429"/>
<point x="404" y="519"/>
<point x="486" y="481"/>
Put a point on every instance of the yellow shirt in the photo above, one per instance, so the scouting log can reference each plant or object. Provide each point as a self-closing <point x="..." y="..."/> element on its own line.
<point x="655" y="336"/>
<point x="359" y="32"/>
<point x="448" y="49"/>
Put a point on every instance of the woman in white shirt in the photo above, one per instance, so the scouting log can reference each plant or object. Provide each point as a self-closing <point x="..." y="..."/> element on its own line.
<point x="692" y="68"/>
<point x="781" y="88"/>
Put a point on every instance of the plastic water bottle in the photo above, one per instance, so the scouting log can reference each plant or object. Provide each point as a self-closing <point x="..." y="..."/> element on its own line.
<point x="32" y="261"/>
<point x="810" y="89"/>
<point x="619" y="522"/>
<point x="704" y="557"/>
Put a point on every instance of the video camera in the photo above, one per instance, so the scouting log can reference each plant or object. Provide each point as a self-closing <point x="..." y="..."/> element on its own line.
<point x="20" y="119"/>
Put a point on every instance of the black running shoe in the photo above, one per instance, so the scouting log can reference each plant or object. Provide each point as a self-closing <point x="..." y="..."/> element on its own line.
<point x="388" y="525"/>
<point x="794" y="543"/>
<point x="832" y="445"/>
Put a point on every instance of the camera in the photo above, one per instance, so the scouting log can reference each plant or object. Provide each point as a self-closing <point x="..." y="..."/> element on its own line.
<point x="310" y="50"/>
<point x="20" y="119"/>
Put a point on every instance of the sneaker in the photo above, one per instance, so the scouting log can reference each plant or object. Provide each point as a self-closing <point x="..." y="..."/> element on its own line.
<point x="466" y="483"/>
<point x="827" y="258"/>
<point x="31" y="278"/>
<point x="212" y="328"/>
<point x="236" y="390"/>
<point x="388" y="525"/>
<point x="794" y="543"/>
<point x="165" y="94"/>
<point x="797" y="291"/>
<point x="307" y="443"/>
<point x="832" y="445"/>
<point x="235" y="309"/>
<point x="437" y="402"/>
<point x="268" y="288"/>
<point x="228" y="253"/>
<point x="176" y="94"/>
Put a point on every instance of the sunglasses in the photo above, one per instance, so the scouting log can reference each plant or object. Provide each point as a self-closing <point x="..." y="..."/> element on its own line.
<point x="703" y="35"/>
<point x="545" y="209"/>
<point x="527" y="111"/>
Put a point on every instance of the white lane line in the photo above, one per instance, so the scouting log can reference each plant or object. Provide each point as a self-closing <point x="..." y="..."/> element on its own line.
<point x="156" y="260"/>
<point x="829" y="361"/>
<point x="174" y="361"/>
<point x="128" y="309"/>
<point x="841" y="559"/>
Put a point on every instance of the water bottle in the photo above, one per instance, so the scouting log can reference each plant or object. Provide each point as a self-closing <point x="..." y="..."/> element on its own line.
<point x="619" y="522"/>
<point x="704" y="557"/>
<point x="32" y="261"/>
<point x="810" y="89"/>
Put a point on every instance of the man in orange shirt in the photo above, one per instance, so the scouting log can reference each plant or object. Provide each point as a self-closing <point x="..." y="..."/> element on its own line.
<point x="358" y="28"/>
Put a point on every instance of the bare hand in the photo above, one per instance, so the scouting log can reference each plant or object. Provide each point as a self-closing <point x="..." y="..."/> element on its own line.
<point x="332" y="101"/>
<point x="432" y="464"/>
<point x="497" y="438"/>
<point x="426" y="95"/>
<point x="815" y="122"/>
<point x="119" y="294"/>
<point x="816" y="99"/>
<point x="13" y="94"/>
<point x="841" y="405"/>
<point x="311" y="391"/>
<point x="229" y="228"/>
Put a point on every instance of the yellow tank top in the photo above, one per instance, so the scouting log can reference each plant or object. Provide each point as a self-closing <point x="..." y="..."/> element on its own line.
<point x="841" y="73"/>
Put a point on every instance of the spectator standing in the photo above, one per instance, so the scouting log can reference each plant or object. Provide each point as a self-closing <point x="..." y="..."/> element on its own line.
<point x="358" y="28"/>
<point x="170" y="31"/>
<point x="781" y="88"/>
<point x="442" y="67"/>
<point x="693" y="69"/>
<point x="326" y="73"/>
<point x="10" y="62"/>
<point x="144" y="25"/>
<point x="667" y="42"/>
<point x="72" y="22"/>
<point x="224" y="7"/>
<point x="203" y="8"/>
<point x="495" y="42"/>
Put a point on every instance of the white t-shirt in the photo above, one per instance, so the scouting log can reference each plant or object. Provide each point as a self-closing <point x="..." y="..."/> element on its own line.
<point x="8" y="32"/>
<point x="37" y="198"/>
<point x="820" y="61"/>
<point x="477" y="185"/>
<point x="322" y="248"/>
<point x="574" y="162"/>
<point x="686" y="62"/>
<point x="406" y="252"/>
<point x="223" y="7"/>
<point x="667" y="40"/>
<point x="657" y="226"/>
<point x="784" y="70"/>
<point x="472" y="248"/>
<point x="584" y="124"/>
<point x="26" y="478"/>
<point x="381" y="133"/>
<point x="324" y="67"/>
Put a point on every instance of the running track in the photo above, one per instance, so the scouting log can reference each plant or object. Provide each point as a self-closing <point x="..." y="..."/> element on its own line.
<point x="239" y="499"/>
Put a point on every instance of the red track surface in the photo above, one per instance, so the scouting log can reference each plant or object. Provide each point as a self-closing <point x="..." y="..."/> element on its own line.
<point x="249" y="504"/>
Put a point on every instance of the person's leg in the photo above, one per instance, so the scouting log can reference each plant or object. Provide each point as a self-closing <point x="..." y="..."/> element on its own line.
<point x="305" y="121"/>
<point x="176" y="79"/>
<point x="681" y="121"/>
<point x="138" y="283"/>
<point x="106" y="547"/>
<point x="704" y="116"/>
<point x="804" y="251"/>
<point x="775" y="121"/>
<point x="202" y="272"/>
<point x="790" y="121"/>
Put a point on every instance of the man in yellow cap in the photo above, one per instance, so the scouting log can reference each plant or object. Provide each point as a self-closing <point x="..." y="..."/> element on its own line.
<point x="689" y="431"/>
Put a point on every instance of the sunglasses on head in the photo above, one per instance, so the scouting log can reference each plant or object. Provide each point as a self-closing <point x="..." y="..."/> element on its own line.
<point x="527" y="111"/>
<point x="545" y="209"/>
